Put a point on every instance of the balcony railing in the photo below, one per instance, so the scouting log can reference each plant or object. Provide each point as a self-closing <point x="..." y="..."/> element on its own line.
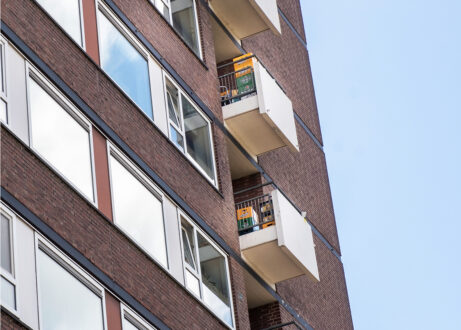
<point x="237" y="80"/>
<point x="255" y="214"/>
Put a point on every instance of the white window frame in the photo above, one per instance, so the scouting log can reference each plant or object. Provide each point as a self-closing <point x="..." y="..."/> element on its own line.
<point x="168" y="5"/>
<point x="149" y="185"/>
<point x="38" y="77"/>
<point x="197" y="230"/>
<point x="129" y="315"/>
<point x="11" y="216"/>
<point x="81" y="19"/>
<point x="181" y="130"/>
<point x="107" y="12"/>
<point x="70" y="266"/>
<point x="3" y="93"/>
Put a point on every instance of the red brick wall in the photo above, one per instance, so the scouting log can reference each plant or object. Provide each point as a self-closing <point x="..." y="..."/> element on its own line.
<point x="79" y="223"/>
<point x="9" y="323"/>
<point x="265" y="316"/>
<point x="34" y="27"/>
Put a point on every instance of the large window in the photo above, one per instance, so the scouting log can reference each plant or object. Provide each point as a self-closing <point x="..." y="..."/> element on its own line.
<point x="185" y="22"/>
<point x="68" y="14"/>
<point x="8" y="283"/>
<point x="67" y="299"/>
<point x="189" y="130"/>
<point x="137" y="208"/>
<point x="3" y="102"/>
<point x="124" y="63"/>
<point x="205" y="271"/>
<point x="60" y="135"/>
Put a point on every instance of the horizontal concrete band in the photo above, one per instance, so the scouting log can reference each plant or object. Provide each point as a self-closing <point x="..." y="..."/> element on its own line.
<point x="101" y="125"/>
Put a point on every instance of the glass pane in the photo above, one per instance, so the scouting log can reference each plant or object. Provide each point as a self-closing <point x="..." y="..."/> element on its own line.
<point x="6" y="244"/>
<point x="192" y="283"/>
<point x="3" y="111"/>
<point x="8" y="293"/>
<point x="127" y="325"/>
<point x="1" y="69"/>
<point x="188" y="243"/>
<point x="162" y="7"/>
<point x="173" y="104"/>
<point x="177" y="138"/>
<point x="214" y="278"/>
<point x="198" y="137"/>
<point x="64" y="301"/>
<point x="124" y="64"/>
<point x="184" y="22"/>
<point x="67" y="14"/>
<point x="138" y="211"/>
<point x="58" y="137"/>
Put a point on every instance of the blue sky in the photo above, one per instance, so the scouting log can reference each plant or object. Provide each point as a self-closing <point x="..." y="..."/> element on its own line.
<point x="387" y="76"/>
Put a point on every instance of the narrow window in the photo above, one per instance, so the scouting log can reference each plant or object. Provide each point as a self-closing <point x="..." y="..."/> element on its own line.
<point x="163" y="6"/>
<point x="198" y="140"/>
<point x="66" y="300"/>
<point x="7" y="285"/>
<point x="61" y="138"/>
<point x="132" y="321"/>
<point x="215" y="279"/>
<point x="208" y="278"/>
<point x="185" y="22"/>
<point x="138" y="210"/>
<point x="124" y="64"/>
<point x="67" y="14"/>
<point x="3" y="102"/>
<point x="189" y="130"/>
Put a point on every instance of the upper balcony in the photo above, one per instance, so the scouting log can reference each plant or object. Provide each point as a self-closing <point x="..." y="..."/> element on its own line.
<point x="247" y="17"/>
<point x="256" y="110"/>
<point x="276" y="240"/>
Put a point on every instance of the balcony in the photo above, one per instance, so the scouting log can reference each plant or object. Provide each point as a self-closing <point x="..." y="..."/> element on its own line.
<point x="247" y="17"/>
<point x="275" y="240"/>
<point x="255" y="108"/>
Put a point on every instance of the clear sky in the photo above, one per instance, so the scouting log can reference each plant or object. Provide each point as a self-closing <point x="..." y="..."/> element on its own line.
<point x="387" y="76"/>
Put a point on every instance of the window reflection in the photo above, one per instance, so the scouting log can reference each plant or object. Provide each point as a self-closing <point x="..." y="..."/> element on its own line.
<point x="67" y="14"/>
<point x="197" y="137"/>
<point x="138" y="211"/>
<point x="60" y="139"/>
<point x="64" y="301"/>
<point x="184" y="21"/>
<point x="6" y="244"/>
<point x="8" y="293"/>
<point x="124" y="64"/>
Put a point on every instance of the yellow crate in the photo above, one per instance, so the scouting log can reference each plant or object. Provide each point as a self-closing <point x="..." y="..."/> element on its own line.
<point x="245" y="212"/>
<point x="243" y="64"/>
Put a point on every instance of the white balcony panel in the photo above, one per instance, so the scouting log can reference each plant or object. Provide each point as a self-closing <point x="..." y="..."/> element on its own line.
<point x="265" y="121"/>
<point x="244" y="18"/>
<point x="283" y="251"/>
<point x="276" y="107"/>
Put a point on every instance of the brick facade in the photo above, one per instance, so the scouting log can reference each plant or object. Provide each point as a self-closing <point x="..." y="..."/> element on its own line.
<point x="302" y="176"/>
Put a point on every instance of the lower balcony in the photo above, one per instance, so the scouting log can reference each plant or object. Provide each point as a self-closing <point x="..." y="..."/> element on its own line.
<point x="275" y="239"/>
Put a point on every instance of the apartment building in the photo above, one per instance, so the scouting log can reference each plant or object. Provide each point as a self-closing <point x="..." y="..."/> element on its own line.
<point x="162" y="167"/>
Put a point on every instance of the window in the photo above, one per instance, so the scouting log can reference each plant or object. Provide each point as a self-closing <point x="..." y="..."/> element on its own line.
<point x="206" y="272"/>
<point x="163" y="6"/>
<point x="124" y="63"/>
<point x="68" y="15"/>
<point x="189" y="130"/>
<point x="67" y="298"/>
<point x="185" y="22"/>
<point x="131" y="321"/>
<point x="3" y="102"/>
<point x="137" y="208"/>
<point x="60" y="135"/>
<point x="8" y="282"/>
